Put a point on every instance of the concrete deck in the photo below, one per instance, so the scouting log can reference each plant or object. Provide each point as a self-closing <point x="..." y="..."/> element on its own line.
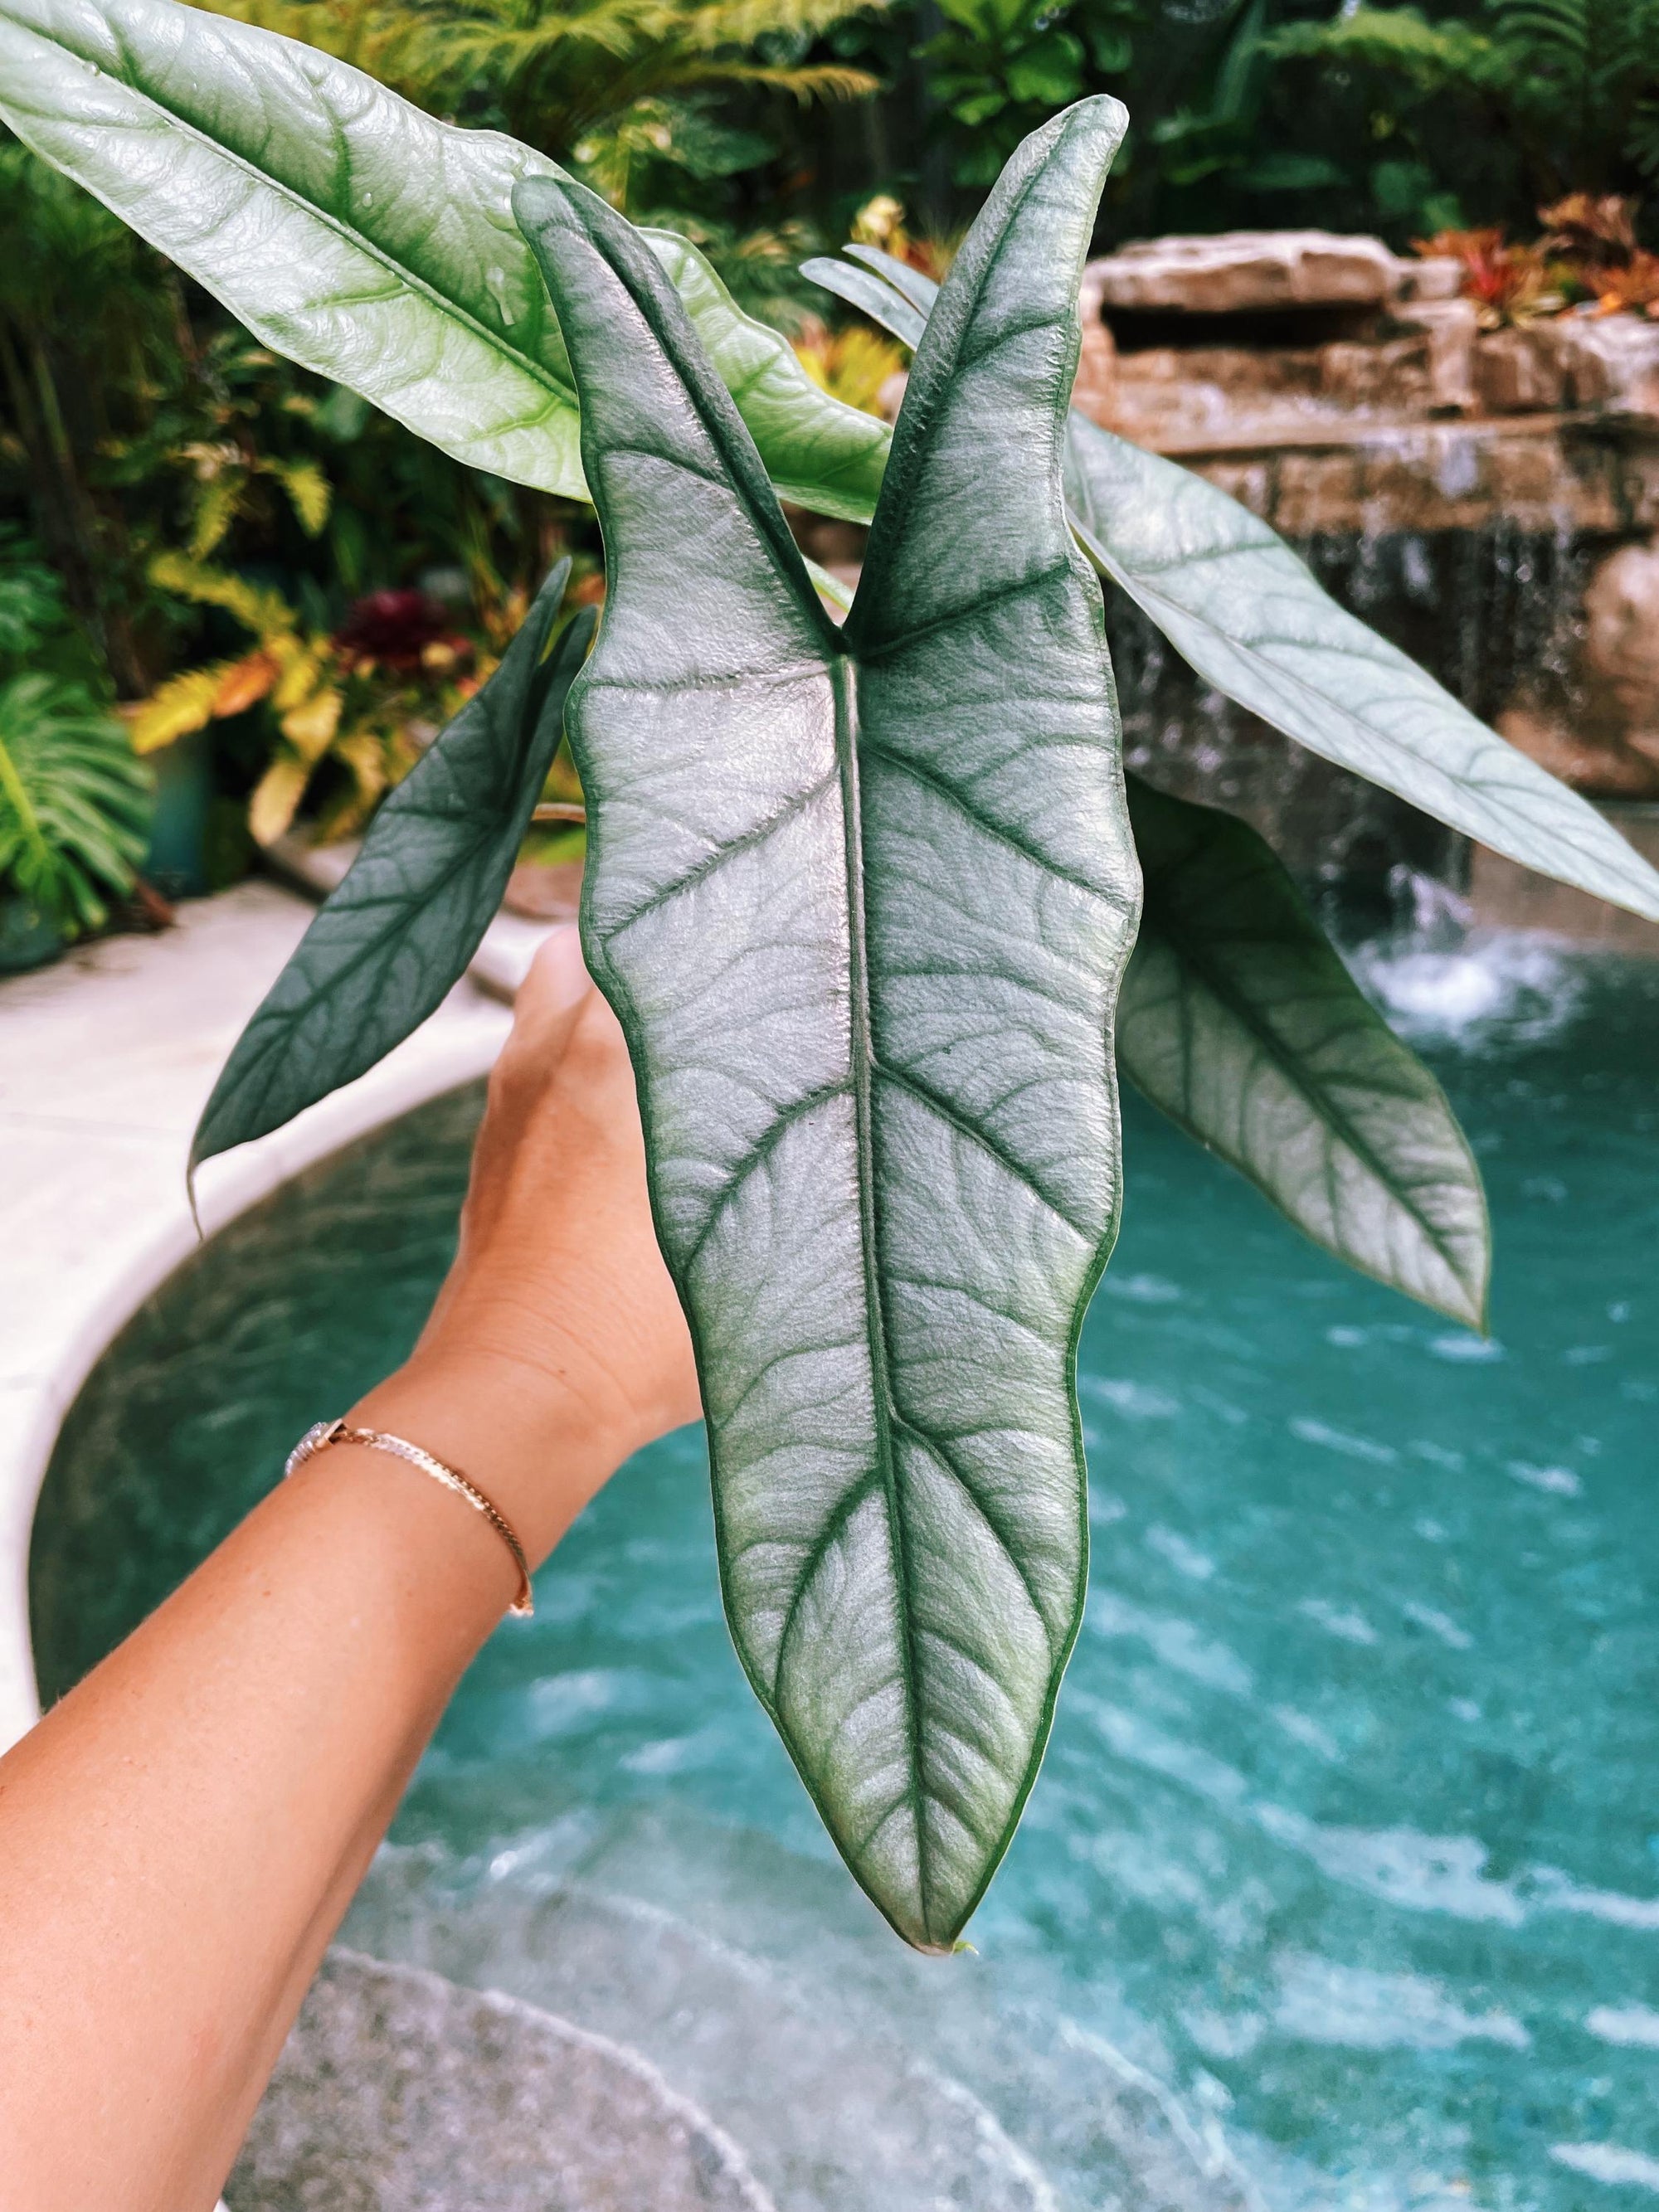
<point x="106" y="1060"/>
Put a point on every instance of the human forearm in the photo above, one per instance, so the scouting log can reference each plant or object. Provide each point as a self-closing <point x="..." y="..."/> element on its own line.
<point x="181" y="1836"/>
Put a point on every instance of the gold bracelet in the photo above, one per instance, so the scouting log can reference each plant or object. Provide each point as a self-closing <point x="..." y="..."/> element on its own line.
<point x="321" y="1434"/>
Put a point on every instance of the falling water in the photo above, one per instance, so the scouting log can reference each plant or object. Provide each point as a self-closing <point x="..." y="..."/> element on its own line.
<point x="1492" y="614"/>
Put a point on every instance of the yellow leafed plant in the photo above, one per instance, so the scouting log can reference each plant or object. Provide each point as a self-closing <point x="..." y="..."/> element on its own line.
<point x="854" y="365"/>
<point x="324" y="700"/>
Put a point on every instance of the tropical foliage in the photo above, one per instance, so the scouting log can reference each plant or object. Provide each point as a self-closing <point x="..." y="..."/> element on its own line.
<point x="1572" y="86"/>
<point x="663" y="106"/>
<point x="361" y="700"/>
<point x="74" y="803"/>
<point x="141" y="425"/>
<point x="862" y="895"/>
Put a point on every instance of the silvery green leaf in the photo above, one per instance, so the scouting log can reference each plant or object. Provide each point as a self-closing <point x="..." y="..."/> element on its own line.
<point x="818" y="450"/>
<point x="1240" y="607"/>
<point x="345" y="228"/>
<point x="386" y="947"/>
<point x="363" y="239"/>
<point x="1248" y="616"/>
<point x="1238" y="1019"/>
<point x="867" y="293"/>
<point x="861" y="898"/>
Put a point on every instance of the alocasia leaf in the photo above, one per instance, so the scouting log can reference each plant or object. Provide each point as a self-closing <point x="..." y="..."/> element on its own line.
<point x="399" y="931"/>
<point x="862" y="899"/>
<point x="1240" y="607"/>
<point x="368" y="241"/>
<point x="1239" y="1020"/>
<point x="818" y="451"/>
<point x="346" y="228"/>
<point x="874" y="295"/>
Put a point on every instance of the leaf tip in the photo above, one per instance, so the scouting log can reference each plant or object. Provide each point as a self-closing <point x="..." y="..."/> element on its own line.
<point x="1470" y="1305"/>
<point x="536" y="196"/>
<point x="191" y="1199"/>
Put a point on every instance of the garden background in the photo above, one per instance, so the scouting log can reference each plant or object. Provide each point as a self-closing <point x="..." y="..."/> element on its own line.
<point x="223" y="575"/>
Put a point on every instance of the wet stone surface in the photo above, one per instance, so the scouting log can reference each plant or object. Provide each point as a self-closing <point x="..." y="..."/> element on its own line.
<point x="398" y="2091"/>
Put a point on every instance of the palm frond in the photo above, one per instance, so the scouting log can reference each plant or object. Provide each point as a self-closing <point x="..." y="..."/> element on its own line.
<point x="74" y="803"/>
<point x="827" y="81"/>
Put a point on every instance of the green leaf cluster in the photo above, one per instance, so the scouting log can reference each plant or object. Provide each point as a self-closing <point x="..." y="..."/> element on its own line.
<point x="1573" y="83"/>
<point x="999" y="67"/>
<point x="74" y="803"/>
<point x="861" y="895"/>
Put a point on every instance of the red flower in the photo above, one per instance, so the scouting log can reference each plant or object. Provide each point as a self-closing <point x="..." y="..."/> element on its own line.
<point x="402" y="630"/>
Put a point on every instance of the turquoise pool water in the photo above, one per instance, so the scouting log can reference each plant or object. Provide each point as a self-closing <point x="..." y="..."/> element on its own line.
<point x="1341" y="1885"/>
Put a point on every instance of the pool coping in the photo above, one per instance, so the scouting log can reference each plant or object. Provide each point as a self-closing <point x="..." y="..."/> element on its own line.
<point x="108" y="1057"/>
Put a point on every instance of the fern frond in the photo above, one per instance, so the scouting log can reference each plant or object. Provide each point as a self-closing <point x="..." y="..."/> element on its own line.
<point x="562" y="68"/>
<point x="266" y="613"/>
<point x="1396" y="39"/>
<point x="1562" y="25"/>
<point x="215" y="510"/>
<point x="828" y="81"/>
<point x="745" y="22"/>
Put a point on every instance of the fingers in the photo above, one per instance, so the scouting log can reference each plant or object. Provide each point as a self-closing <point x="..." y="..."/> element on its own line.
<point x="550" y="999"/>
<point x="557" y="978"/>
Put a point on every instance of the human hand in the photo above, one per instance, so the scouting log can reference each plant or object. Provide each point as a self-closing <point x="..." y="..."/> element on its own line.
<point x="181" y="1834"/>
<point x="557" y="1346"/>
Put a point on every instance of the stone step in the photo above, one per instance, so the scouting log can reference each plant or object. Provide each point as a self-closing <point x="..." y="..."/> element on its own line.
<point x="833" y="2115"/>
<point x="399" y="2092"/>
<point x="857" y="2077"/>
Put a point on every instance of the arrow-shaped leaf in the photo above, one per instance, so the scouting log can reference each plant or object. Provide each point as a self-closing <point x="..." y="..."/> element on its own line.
<point x="368" y="241"/>
<point x="400" y="929"/>
<point x="1240" y="607"/>
<point x="861" y="900"/>
<point x="1239" y="1020"/>
<point x="345" y="228"/>
<point x="875" y="295"/>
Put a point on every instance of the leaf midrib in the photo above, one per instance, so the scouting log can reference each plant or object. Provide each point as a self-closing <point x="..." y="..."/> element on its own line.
<point x="452" y="309"/>
<point x="863" y="1054"/>
<point x="863" y="1071"/>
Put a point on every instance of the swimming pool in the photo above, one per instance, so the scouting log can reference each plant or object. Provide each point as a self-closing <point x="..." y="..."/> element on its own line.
<point x="1341" y="1885"/>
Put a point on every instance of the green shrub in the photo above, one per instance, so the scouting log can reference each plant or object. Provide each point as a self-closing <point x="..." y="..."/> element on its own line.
<point x="74" y="802"/>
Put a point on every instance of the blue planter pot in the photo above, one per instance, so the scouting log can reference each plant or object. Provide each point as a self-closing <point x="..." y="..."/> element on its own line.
<point x="28" y="939"/>
<point x="177" y="861"/>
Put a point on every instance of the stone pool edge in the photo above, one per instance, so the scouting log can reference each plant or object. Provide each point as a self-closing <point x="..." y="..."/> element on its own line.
<point x="109" y="1056"/>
